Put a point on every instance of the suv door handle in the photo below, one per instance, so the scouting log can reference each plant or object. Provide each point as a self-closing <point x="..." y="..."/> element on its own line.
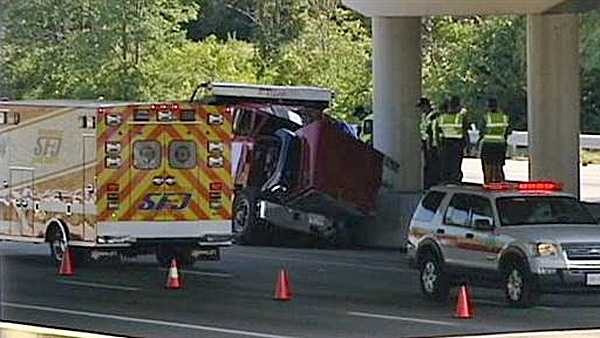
<point x="440" y="231"/>
<point x="469" y="235"/>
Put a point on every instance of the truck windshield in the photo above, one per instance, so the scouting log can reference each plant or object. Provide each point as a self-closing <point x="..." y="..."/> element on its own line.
<point x="533" y="210"/>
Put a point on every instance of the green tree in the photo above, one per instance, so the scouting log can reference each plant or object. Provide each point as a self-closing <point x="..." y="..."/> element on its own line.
<point x="178" y="71"/>
<point x="476" y="58"/>
<point x="332" y="51"/>
<point x="87" y="48"/>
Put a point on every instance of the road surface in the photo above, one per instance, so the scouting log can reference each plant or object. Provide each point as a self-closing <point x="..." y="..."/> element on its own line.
<point x="361" y="293"/>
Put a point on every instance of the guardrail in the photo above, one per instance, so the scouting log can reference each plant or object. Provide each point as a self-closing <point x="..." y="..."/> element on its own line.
<point x="519" y="139"/>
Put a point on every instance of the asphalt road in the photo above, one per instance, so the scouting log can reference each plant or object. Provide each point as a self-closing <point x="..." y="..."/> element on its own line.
<point x="336" y="294"/>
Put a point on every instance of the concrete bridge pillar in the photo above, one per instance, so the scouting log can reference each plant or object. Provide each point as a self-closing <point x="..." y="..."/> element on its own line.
<point x="553" y="81"/>
<point x="396" y="89"/>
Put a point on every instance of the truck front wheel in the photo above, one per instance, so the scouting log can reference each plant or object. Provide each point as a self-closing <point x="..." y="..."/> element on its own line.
<point x="245" y="222"/>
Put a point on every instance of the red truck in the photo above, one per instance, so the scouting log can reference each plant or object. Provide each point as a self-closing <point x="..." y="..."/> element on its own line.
<point x="295" y="168"/>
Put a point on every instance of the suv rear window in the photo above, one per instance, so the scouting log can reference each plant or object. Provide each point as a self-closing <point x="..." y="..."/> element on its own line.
<point x="429" y="206"/>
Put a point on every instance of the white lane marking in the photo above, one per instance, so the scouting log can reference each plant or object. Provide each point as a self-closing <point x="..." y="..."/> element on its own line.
<point x="142" y="320"/>
<point x="545" y="334"/>
<point x="203" y="273"/>
<point x="406" y="319"/>
<point x="366" y="267"/>
<point x="98" y="285"/>
<point x="44" y="332"/>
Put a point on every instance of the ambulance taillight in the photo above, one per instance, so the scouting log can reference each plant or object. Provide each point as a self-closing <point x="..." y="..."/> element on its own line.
<point x="215" y="197"/>
<point x="112" y="196"/>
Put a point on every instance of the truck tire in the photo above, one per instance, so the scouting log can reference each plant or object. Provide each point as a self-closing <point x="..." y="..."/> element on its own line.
<point x="434" y="281"/>
<point x="246" y="226"/>
<point x="520" y="288"/>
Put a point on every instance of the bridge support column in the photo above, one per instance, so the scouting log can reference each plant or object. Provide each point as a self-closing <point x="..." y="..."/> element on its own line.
<point x="396" y="89"/>
<point x="553" y="83"/>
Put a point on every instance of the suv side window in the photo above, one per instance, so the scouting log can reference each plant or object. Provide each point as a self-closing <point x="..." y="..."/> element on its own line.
<point x="429" y="206"/>
<point x="481" y="208"/>
<point x="458" y="211"/>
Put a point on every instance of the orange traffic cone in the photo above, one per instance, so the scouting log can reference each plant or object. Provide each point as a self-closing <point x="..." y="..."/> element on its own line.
<point x="173" y="279"/>
<point x="66" y="268"/>
<point x="283" y="291"/>
<point x="464" y="306"/>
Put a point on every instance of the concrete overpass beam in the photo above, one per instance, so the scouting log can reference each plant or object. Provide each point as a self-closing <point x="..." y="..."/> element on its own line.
<point x="553" y="81"/>
<point x="396" y="89"/>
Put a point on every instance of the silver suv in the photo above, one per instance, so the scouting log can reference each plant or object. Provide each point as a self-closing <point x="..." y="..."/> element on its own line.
<point x="529" y="238"/>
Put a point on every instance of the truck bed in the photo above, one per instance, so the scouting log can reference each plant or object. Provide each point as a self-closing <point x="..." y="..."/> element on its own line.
<point x="340" y="175"/>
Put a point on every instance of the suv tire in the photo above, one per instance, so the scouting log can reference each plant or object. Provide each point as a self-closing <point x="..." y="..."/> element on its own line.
<point x="520" y="288"/>
<point x="433" y="279"/>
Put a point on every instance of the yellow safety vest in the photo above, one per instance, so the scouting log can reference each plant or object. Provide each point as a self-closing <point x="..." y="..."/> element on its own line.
<point x="496" y="124"/>
<point x="451" y="125"/>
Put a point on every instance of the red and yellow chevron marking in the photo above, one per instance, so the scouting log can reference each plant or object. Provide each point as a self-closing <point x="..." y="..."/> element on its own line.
<point x="136" y="184"/>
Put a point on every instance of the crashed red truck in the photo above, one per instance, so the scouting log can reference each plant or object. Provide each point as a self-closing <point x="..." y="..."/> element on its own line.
<point x="288" y="156"/>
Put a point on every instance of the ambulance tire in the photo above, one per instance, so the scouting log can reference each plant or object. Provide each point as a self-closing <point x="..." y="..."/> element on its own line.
<point x="58" y="242"/>
<point x="246" y="225"/>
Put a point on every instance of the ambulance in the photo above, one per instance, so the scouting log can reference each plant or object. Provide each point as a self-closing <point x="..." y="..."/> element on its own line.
<point x="117" y="178"/>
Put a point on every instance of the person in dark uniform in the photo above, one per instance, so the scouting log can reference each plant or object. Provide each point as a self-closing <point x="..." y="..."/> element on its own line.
<point x="494" y="133"/>
<point x="453" y="125"/>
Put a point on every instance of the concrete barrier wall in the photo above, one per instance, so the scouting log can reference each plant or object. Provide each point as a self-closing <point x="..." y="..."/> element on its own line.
<point x="389" y="228"/>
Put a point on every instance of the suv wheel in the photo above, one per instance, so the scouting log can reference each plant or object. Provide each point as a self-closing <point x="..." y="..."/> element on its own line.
<point x="434" y="282"/>
<point x="519" y="286"/>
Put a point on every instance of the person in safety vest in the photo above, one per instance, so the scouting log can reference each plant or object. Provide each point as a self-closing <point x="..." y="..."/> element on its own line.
<point x="495" y="129"/>
<point x="429" y="146"/>
<point x="452" y="125"/>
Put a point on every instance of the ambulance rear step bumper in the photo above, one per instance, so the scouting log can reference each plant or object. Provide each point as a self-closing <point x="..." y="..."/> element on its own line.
<point x="108" y="242"/>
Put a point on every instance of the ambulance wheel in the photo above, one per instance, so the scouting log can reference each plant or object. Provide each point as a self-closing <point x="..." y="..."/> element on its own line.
<point x="57" y="239"/>
<point x="245" y="222"/>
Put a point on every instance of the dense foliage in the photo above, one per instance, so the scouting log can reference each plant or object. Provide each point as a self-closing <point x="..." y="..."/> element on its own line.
<point x="159" y="49"/>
